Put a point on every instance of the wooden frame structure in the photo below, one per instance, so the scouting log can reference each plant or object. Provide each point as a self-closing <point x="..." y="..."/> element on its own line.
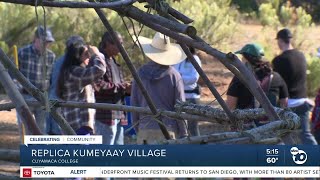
<point x="175" y="25"/>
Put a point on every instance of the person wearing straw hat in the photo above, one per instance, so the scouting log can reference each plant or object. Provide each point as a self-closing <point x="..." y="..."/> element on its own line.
<point x="165" y="86"/>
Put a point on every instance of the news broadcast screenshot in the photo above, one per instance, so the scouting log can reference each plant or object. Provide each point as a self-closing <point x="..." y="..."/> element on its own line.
<point x="159" y="89"/>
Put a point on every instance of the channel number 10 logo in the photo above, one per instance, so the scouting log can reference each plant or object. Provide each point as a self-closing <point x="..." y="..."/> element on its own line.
<point x="298" y="156"/>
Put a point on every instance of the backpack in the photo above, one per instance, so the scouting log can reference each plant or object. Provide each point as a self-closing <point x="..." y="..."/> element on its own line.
<point x="265" y="85"/>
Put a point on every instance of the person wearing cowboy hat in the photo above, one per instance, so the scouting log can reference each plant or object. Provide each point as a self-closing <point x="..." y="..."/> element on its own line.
<point x="165" y="86"/>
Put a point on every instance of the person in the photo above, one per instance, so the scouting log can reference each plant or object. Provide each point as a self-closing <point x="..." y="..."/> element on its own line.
<point x="291" y="64"/>
<point x="190" y="78"/>
<point x="82" y="66"/>
<point x="52" y="128"/>
<point x="32" y="66"/>
<point x="164" y="85"/>
<point x="239" y="97"/>
<point x="315" y="118"/>
<point x="111" y="88"/>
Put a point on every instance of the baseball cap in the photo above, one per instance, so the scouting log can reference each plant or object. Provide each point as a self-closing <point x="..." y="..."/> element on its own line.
<point x="41" y="33"/>
<point x="252" y="49"/>
<point x="284" y="34"/>
<point x="73" y="40"/>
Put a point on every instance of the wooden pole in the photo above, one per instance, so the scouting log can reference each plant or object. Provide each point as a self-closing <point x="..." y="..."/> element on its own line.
<point x="16" y="97"/>
<point x="133" y="72"/>
<point x="69" y="4"/>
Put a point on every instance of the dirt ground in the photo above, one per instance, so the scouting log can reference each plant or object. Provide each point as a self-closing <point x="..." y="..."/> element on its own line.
<point x="217" y="73"/>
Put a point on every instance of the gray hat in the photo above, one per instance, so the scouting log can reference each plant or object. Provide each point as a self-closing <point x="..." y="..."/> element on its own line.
<point x="74" y="39"/>
<point x="47" y="35"/>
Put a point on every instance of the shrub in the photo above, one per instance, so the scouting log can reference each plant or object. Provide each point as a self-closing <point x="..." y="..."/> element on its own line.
<point x="215" y="20"/>
<point x="313" y="78"/>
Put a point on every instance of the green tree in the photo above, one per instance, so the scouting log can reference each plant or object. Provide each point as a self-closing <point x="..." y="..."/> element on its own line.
<point x="215" y="20"/>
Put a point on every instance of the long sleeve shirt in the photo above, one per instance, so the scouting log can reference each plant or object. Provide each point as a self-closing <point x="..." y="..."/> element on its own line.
<point x="165" y="86"/>
<point x="78" y="87"/>
<point x="110" y="91"/>
<point x="32" y="67"/>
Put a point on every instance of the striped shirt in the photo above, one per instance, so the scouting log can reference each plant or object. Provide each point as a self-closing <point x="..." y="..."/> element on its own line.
<point x="78" y="87"/>
<point x="31" y="66"/>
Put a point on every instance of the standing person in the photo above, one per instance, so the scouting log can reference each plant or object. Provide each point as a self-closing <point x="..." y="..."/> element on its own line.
<point x="82" y="66"/>
<point x="52" y="127"/>
<point x="190" y="77"/>
<point x="111" y="88"/>
<point x="239" y="97"/>
<point x="292" y="66"/>
<point x="316" y="118"/>
<point x="31" y="65"/>
<point x="164" y="85"/>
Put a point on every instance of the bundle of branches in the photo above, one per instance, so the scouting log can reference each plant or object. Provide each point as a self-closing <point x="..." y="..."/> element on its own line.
<point x="269" y="133"/>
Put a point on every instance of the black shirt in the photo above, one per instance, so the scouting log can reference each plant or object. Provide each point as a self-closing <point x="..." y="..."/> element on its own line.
<point x="292" y="66"/>
<point x="246" y="100"/>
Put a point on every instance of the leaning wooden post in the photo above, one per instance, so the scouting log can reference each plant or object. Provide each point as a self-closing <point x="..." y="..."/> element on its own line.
<point x="27" y="85"/>
<point x="133" y="72"/>
<point x="65" y="127"/>
<point x="16" y="97"/>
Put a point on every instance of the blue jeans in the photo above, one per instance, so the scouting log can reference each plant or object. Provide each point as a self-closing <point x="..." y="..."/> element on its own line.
<point x="111" y="135"/>
<point x="303" y="112"/>
<point x="193" y="126"/>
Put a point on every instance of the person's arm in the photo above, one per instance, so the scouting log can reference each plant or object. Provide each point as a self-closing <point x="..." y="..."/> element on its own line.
<point x="87" y="75"/>
<point x="105" y="84"/>
<point x="232" y="102"/>
<point x="283" y="102"/>
<point x="283" y="93"/>
<point x="233" y="93"/>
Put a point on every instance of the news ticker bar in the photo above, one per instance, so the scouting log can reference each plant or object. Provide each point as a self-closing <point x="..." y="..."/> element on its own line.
<point x="158" y="172"/>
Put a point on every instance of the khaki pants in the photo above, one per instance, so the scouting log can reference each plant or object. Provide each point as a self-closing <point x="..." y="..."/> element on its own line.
<point x="152" y="136"/>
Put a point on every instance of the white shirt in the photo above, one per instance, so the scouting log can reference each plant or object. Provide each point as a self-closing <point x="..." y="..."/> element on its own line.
<point x="189" y="75"/>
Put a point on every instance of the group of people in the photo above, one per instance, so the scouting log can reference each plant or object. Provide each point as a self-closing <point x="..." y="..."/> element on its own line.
<point x="86" y="73"/>
<point x="283" y="81"/>
<point x="90" y="74"/>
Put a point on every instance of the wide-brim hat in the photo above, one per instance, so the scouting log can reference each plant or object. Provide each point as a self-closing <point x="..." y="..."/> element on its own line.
<point x="161" y="50"/>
